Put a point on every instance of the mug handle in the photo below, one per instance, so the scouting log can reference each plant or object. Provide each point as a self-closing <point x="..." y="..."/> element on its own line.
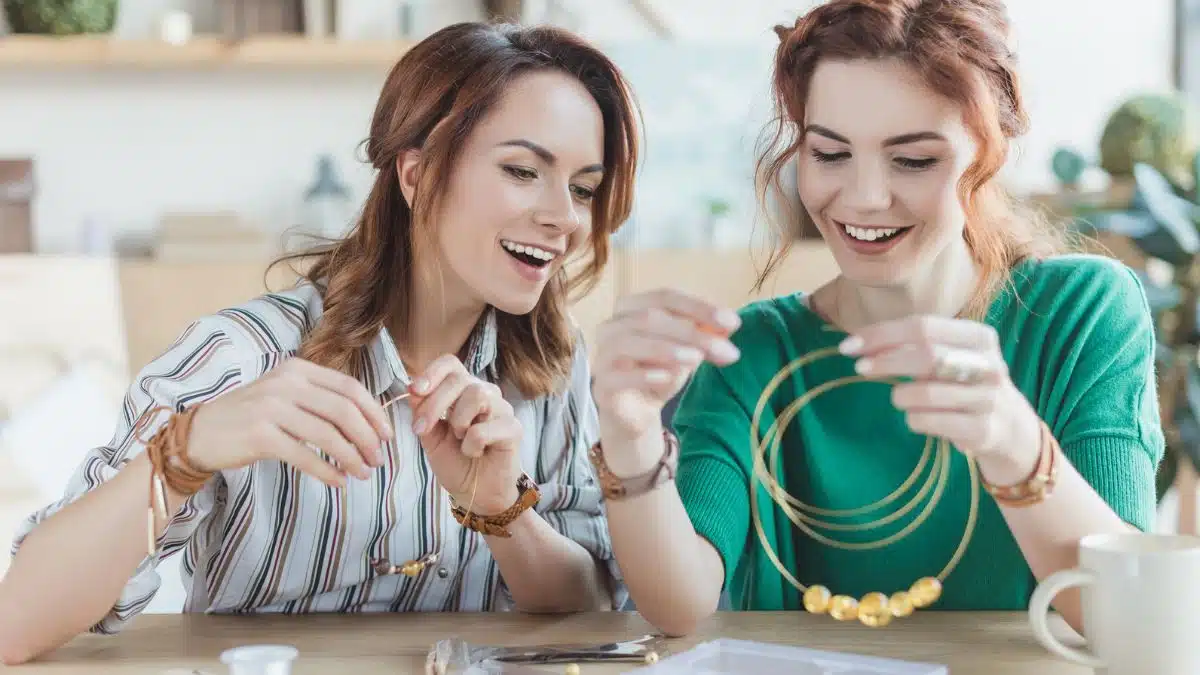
<point x="1039" y="609"/>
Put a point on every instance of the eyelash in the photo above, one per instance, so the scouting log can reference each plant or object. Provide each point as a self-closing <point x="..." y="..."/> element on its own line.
<point x="905" y="162"/>
<point x="583" y="194"/>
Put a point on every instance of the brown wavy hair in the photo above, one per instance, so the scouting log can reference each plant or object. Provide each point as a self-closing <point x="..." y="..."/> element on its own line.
<point x="432" y="100"/>
<point x="960" y="49"/>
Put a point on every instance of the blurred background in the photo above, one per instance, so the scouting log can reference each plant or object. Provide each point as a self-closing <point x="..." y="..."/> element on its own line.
<point x="156" y="154"/>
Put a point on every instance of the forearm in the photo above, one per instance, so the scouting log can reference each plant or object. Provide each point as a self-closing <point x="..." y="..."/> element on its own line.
<point x="674" y="576"/>
<point x="548" y="572"/>
<point x="1049" y="532"/>
<point x="71" y="569"/>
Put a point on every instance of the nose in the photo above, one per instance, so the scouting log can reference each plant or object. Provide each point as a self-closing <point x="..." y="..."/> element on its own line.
<point x="868" y="188"/>
<point x="559" y="210"/>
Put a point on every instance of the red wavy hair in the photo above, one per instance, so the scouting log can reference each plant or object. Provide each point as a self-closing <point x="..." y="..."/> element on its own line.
<point x="432" y="99"/>
<point x="960" y="49"/>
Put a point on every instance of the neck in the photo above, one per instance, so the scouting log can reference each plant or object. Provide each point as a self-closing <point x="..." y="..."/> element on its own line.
<point x="440" y="321"/>
<point x="942" y="288"/>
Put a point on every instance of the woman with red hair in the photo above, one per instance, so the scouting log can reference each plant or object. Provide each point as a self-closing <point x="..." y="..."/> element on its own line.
<point x="1035" y="364"/>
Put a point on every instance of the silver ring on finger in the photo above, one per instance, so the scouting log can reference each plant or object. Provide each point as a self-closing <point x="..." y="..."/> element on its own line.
<point x="958" y="367"/>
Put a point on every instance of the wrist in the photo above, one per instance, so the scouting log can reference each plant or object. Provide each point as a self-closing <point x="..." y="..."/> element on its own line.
<point x="491" y="505"/>
<point x="627" y="456"/>
<point x="1015" y="462"/>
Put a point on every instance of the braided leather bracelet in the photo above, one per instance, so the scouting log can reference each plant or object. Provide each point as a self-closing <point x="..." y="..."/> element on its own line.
<point x="497" y="525"/>
<point x="169" y="467"/>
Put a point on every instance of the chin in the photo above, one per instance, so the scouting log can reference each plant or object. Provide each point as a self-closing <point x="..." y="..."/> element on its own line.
<point x="516" y="303"/>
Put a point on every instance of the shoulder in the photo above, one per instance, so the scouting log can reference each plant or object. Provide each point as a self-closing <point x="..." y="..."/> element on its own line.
<point x="1078" y="291"/>
<point x="1068" y="280"/>
<point x="241" y="337"/>
<point x="274" y="323"/>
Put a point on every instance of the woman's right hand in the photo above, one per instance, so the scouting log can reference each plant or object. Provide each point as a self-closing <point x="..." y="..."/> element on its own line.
<point x="646" y="352"/>
<point x="297" y="402"/>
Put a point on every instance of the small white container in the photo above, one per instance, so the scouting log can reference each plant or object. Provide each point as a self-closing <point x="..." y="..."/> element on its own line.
<point x="743" y="657"/>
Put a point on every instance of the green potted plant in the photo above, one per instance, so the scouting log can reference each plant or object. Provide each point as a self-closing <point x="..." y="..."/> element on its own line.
<point x="61" y="17"/>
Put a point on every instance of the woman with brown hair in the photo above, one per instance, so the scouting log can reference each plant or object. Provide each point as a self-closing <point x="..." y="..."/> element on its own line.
<point x="1019" y="413"/>
<point x="406" y="429"/>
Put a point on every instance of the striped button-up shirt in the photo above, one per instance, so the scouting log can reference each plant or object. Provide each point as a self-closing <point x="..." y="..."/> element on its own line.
<point x="266" y="538"/>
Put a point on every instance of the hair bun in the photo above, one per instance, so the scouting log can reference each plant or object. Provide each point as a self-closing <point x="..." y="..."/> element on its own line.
<point x="783" y="31"/>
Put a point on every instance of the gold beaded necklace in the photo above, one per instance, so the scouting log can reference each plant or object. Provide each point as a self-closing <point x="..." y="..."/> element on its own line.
<point x="875" y="609"/>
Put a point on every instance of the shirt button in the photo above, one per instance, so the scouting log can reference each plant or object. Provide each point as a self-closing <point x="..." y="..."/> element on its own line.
<point x="443" y="572"/>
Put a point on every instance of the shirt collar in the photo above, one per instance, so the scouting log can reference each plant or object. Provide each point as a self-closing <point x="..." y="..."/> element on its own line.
<point x="386" y="369"/>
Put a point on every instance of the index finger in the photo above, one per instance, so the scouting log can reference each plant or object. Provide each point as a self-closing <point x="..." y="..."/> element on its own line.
<point x="716" y="319"/>
<point x="925" y="329"/>
<point x="438" y="370"/>
<point x="354" y="390"/>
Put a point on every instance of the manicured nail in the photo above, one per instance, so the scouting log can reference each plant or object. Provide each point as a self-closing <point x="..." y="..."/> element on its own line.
<point x="420" y="425"/>
<point x="863" y="366"/>
<point x="729" y="319"/>
<point x="419" y="385"/>
<point x="688" y="355"/>
<point x="851" y="345"/>
<point x="725" y="351"/>
<point x="658" y="377"/>
<point x="380" y="457"/>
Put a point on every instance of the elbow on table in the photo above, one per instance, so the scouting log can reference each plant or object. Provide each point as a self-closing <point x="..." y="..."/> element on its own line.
<point x="14" y="649"/>
<point x="675" y="622"/>
<point x="675" y="626"/>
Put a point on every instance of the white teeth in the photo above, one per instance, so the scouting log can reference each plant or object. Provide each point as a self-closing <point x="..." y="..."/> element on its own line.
<point x="539" y="253"/>
<point x="869" y="234"/>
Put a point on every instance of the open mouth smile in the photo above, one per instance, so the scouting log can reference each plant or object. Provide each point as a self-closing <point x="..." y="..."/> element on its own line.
<point x="871" y="239"/>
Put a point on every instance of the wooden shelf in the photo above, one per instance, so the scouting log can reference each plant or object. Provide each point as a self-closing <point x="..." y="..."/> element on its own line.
<point x="202" y="52"/>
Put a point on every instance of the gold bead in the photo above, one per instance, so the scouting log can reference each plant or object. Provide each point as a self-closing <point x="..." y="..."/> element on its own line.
<point x="572" y="669"/>
<point x="651" y="657"/>
<point x="816" y="599"/>
<point x="900" y="604"/>
<point x="873" y="610"/>
<point x="925" y="592"/>
<point x="411" y="569"/>
<point x="843" y="608"/>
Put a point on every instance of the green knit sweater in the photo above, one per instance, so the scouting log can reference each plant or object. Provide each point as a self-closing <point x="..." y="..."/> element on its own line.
<point x="1077" y="335"/>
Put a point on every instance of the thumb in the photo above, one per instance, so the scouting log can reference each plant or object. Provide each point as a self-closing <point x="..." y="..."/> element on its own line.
<point x="433" y="437"/>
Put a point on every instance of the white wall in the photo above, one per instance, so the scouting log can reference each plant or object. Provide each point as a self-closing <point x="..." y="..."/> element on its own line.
<point x="122" y="146"/>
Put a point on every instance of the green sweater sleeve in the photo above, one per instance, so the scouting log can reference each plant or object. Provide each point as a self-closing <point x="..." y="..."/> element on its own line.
<point x="1100" y="398"/>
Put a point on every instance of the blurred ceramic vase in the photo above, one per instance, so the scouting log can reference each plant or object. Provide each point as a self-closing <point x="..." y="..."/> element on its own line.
<point x="328" y="204"/>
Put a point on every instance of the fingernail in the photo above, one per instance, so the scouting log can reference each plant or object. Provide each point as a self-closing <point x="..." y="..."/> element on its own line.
<point x="729" y="319"/>
<point x="725" y="351"/>
<point x="863" y="366"/>
<point x="419" y="385"/>
<point x="380" y="457"/>
<point x="658" y="377"/>
<point x="688" y="355"/>
<point x="419" y="425"/>
<point x="851" y="345"/>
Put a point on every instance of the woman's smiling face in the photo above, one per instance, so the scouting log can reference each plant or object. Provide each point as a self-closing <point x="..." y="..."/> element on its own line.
<point x="879" y="169"/>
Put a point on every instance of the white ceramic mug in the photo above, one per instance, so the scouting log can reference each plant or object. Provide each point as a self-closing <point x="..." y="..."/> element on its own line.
<point x="1141" y="604"/>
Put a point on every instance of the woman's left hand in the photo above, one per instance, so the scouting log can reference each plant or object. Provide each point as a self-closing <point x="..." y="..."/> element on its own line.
<point x="960" y="388"/>
<point x="470" y="434"/>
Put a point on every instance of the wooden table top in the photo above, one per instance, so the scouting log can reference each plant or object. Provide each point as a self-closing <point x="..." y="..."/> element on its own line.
<point x="396" y="644"/>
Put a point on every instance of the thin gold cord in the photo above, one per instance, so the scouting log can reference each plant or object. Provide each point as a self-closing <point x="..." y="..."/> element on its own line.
<point x="874" y="609"/>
